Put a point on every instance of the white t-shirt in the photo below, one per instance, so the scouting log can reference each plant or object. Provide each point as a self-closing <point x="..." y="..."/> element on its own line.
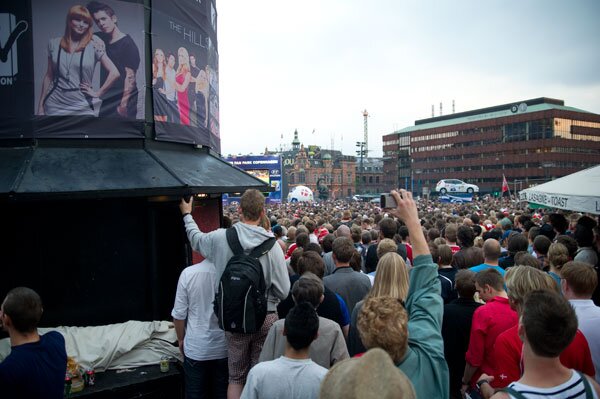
<point x="170" y="88"/>
<point x="284" y="378"/>
<point x="588" y="316"/>
<point x="204" y="340"/>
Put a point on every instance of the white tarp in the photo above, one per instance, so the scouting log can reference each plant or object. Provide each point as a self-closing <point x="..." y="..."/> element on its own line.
<point x="115" y="346"/>
<point x="579" y="192"/>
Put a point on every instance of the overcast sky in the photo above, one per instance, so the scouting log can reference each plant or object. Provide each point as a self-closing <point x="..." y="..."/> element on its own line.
<point x="317" y="64"/>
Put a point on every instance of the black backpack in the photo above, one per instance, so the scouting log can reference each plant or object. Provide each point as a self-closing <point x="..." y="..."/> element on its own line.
<point x="241" y="300"/>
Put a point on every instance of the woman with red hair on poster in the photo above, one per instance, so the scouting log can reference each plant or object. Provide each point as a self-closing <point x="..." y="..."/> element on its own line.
<point x="72" y="58"/>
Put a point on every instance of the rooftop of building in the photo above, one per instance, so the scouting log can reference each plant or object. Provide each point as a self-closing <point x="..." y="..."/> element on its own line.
<point x="498" y="111"/>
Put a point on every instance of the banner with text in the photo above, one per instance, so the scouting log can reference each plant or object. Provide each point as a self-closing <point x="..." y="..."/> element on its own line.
<point x="185" y="81"/>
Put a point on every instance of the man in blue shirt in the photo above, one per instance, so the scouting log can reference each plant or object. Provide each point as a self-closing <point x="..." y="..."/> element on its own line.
<point x="491" y="254"/>
<point x="37" y="364"/>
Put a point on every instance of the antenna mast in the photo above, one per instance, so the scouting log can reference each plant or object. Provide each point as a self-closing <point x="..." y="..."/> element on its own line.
<point x="366" y="127"/>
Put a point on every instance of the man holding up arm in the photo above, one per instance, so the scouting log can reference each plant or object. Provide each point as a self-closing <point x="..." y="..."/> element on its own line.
<point x="243" y="349"/>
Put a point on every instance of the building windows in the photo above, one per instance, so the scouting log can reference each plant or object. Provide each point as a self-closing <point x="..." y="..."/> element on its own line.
<point x="515" y="132"/>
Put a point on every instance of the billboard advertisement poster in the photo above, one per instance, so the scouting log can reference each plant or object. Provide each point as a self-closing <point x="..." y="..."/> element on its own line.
<point x="264" y="167"/>
<point x="185" y="82"/>
<point x="16" y="85"/>
<point x="455" y="199"/>
<point x="88" y="72"/>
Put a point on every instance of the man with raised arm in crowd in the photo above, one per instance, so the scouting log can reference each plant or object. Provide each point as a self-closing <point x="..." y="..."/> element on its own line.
<point x="243" y="349"/>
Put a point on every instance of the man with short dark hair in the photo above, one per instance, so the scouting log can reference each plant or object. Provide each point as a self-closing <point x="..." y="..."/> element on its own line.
<point x="330" y="345"/>
<point x="547" y="326"/>
<point x="292" y="375"/>
<point x="584" y="236"/>
<point x="541" y="245"/>
<point x="489" y="321"/>
<point x="121" y="98"/>
<point x="352" y="286"/>
<point x="517" y="242"/>
<point x="243" y="349"/>
<point x="332" y="307"/>
<point x="442" y="255"/>
<point x="36" y="365"/>
<point x="469" y="255"/>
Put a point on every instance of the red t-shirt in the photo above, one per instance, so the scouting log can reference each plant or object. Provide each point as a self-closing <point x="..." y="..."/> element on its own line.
<point x="409" y="254"/>
<point x="489" y="321"/>
<point x="454" y="248"/>
<point x="290" y="250"/>
<point x="508" y="362"/>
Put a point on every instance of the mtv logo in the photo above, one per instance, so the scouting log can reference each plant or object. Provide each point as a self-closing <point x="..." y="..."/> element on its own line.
<point x="10" y="31"/>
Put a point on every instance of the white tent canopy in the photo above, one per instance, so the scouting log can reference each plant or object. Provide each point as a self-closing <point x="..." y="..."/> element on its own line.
<point x="579" y="192"/>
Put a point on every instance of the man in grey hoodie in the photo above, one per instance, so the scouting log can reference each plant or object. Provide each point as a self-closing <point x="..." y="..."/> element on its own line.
<point x="244" y="349"/>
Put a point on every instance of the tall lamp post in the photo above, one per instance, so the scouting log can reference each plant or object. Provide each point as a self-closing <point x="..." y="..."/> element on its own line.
<point x="361" y="152"/>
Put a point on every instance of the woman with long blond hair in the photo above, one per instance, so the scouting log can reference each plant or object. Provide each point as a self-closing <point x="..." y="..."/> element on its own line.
<point x="182" y="81"/>
<point x="202" y="97"/>
<point x="72" y="58"/>
<point x="159" y="67"/>
<point x="391" y="280"/>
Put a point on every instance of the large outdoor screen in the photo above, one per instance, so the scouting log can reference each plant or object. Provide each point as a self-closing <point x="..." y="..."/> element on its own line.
<point x="264" y="167"/>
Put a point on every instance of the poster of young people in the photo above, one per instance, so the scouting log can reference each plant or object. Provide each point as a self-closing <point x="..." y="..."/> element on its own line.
<point x="185" y="81"/>
<point x="16" y="84"/>
<point x="89" y="74"/>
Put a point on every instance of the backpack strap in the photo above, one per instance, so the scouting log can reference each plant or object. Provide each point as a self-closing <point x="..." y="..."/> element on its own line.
<point x="515" y="394"/>
<point x="234" y="241"/>
<point x="237" y="249"/>
<point x="586" y="384"/>
<point x="263" y="248"/>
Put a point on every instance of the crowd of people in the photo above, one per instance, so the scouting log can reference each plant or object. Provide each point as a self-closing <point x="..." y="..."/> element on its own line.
<point x="427" y="300"/>
<point x="424" y="300"/>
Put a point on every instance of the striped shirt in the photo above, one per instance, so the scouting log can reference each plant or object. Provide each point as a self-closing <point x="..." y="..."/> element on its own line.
<point x="573" y="388"/>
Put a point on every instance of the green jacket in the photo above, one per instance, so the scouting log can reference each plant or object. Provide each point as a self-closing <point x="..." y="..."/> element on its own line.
<point x="424" y="362"/>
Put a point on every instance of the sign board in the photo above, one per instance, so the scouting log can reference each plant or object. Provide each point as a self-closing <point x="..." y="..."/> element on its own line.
<point x="266" y="168"/>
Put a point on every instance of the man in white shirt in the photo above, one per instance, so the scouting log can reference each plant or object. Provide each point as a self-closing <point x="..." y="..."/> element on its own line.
<point x="578" y="283"/>
<point x="201" y="341"/>
<point x="293" y="375"/>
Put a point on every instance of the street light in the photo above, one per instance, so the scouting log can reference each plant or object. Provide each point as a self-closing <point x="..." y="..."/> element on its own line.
<point x="361" y="152"/>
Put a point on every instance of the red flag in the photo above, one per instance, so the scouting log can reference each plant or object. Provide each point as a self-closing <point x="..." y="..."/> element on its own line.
<point x="504" y="184"/>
